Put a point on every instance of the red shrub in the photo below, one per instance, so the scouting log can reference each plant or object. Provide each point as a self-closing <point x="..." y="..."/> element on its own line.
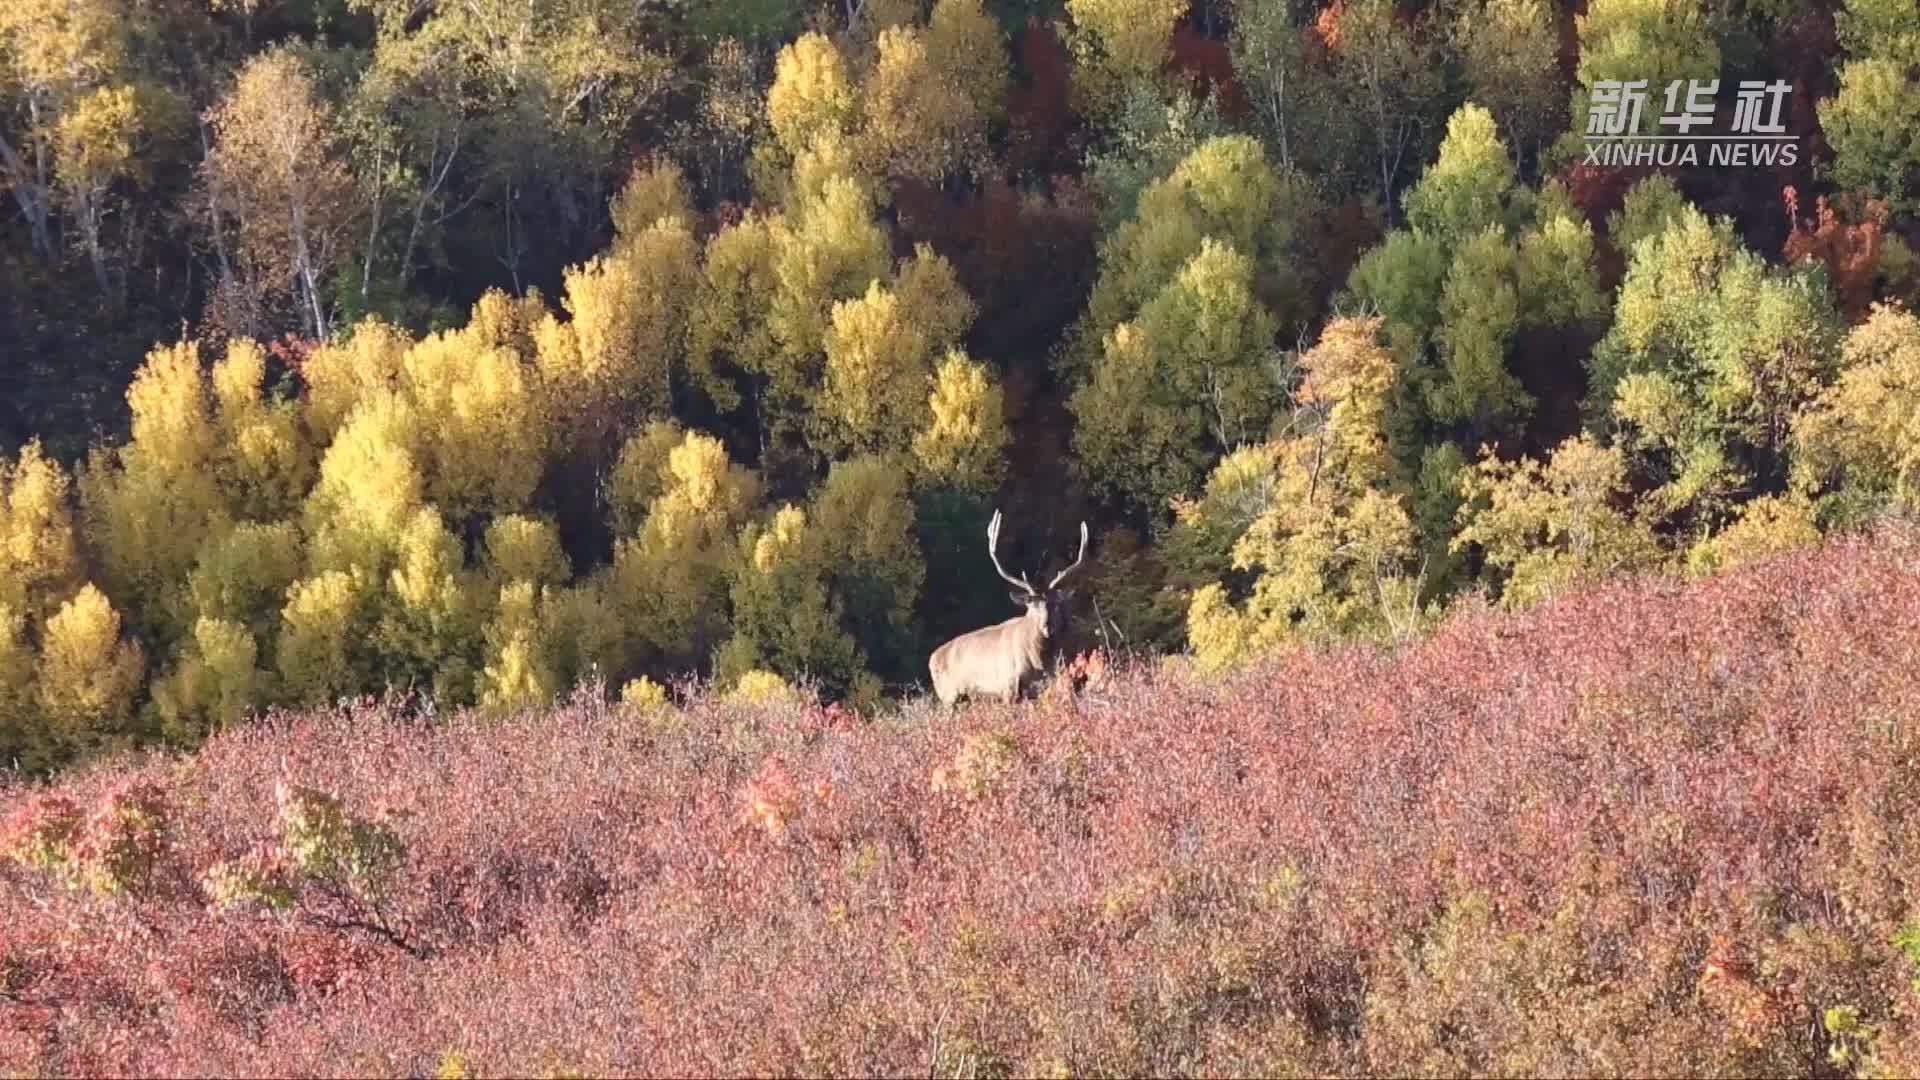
<point x="1652" y="828"/>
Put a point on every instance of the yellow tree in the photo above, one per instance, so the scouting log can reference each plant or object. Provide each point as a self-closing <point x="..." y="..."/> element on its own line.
<point x="669" y="579"/>
<point x="628" y="310"/>
<point x="813" y="94"/>
<point x="369" y="487"/>
<point x="339" y="374"/>
<point x="1858" y="443"/>
<point x="1549" y="526"/>
<point x="486" y="428"/>
<point x="968" y="50"/>
<point x="279" y="183"/>
<point x="153" y="503"/>
<point x="919" y="121"/>
<point x="216" y="681"/>
<point x="39" y="550"/>
<point x="88" y="676"/>
<point x="964" y="442"/>
<point x="18" y="715"/>
<point x="729" y="337"/>
<point x="1333" y="547"/>
<point x="784" y="618"/>
<point x="1117" y="44"/>
<point x="265" y="462"/>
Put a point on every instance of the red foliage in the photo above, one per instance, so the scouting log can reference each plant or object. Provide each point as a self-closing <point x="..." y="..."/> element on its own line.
<point x="1681" y="812"/>
<point x="1026" y="260"/>
<point x="1208" y="65"/>
<point x="1846" y="240"/>
<point x="1040" y="106"/>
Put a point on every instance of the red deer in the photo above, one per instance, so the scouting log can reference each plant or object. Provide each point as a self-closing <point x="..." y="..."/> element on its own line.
<point x="1002" y="660"/>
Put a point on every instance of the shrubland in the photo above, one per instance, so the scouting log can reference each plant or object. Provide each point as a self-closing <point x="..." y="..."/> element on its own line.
<point x="1648" y="826"/>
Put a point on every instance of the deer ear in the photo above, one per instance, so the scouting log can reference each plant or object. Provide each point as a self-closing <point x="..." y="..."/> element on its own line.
<point x="1020" y="599"/>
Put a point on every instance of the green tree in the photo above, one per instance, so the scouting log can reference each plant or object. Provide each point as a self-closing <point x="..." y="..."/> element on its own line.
<point x="1658" y="41"/>
<point x="1710" y="355"/>
<point x="1185" y="381"/>
<point x="1510" y="53"/>
<point x="1873" y="132"/>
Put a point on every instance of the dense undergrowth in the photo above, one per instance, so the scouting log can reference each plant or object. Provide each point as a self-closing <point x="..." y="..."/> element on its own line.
<point x="1651" y="827"/>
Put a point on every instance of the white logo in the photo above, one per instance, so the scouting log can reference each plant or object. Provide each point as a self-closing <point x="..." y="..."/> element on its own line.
<point x="1757" y="136"/>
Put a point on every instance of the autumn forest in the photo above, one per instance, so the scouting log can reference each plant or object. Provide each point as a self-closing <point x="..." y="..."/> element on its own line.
<point x="607" y="399"/>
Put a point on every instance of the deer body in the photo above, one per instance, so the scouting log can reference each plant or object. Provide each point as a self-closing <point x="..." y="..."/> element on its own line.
<point x="995" y="661"/>
<point x="1000" y="661"/>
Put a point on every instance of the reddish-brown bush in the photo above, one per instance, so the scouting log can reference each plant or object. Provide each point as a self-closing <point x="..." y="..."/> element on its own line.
<point x="1651" y="828"/>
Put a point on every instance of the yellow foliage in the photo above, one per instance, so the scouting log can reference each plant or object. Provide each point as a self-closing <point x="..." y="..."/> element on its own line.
<point x="152" y="504"/>
<point x="520" y="548"/>
<point x="487" y="435"/>
<point x="729" y="316"/>
<point x="267" y="465"/>
<point x="430" y="615"/>
<point x="1117" y="44"/>
<point x="931" y="298"/>
<point x="339" y="375"/>
<point x="216" y="681"/>
<point x="875" y="394"/>
<point x="500" y="321"/>
<point x="320" y="630"/>
<point x="1864" y="430"/>
<point x="244" y="575"/>
<point x="670" y="579"/>
<point x="812" y="92"/>
<point x="640" y="474"/>
<point x="1553" y="525"/>
<point x="969" y="50"/>
<point x="16" y="683"/>
<point x="651" y="194"/>
<point x="833" y="251"/>
<point x="762" y="688"/>
<point x="919" y="121"/>
<point x="518" y="673"/>
<point x="87" y="678"/>
<point x="1766" y="526"/>
<point x="643" y="695"/>
<point x="39" y="552"/>
<point x="964" y="444"/>
<point x="629" y="318"/>
<point x="370" y="484"/>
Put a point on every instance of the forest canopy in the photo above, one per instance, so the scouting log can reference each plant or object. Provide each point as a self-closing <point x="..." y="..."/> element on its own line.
<point x="487" y="349"/>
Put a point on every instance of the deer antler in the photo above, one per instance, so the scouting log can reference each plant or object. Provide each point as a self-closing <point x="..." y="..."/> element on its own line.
<point x="1078" y="559"/>
<point x="993" y="542"/>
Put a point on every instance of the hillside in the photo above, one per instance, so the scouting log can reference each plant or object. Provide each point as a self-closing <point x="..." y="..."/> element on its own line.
<point x="1647" y="827"/>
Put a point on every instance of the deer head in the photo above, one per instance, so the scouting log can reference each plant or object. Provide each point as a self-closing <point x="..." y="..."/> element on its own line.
<point x="1047" y="608"/>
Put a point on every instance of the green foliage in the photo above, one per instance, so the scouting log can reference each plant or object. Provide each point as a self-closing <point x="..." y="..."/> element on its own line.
<point x="1875" y="138"/>
<point x="1471" y="187"/>
<point x="1710" y="356"/>
<point x="1656" y="40"/>
<point x="1185" y="380"/>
